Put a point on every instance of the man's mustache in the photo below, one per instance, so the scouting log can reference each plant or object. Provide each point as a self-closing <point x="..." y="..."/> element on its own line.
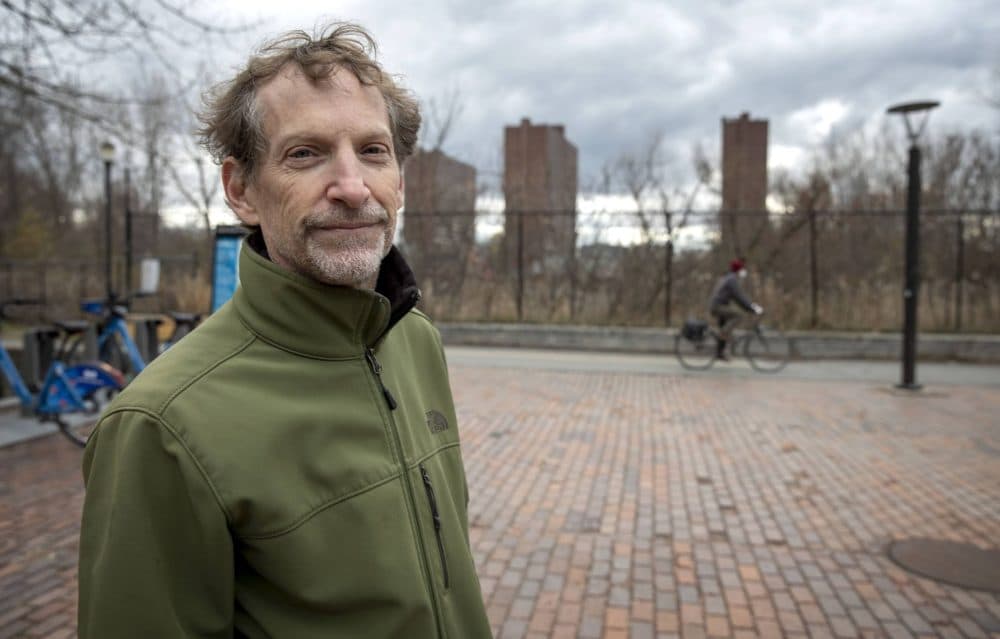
<point x="340" y="216"/>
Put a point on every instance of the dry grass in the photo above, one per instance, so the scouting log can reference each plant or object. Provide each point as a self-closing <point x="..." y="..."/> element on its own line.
<point x="631" y="294"/>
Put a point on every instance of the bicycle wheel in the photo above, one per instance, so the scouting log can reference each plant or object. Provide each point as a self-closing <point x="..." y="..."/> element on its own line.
<point x="73" y="350"/>
<point x="695" y="354"/>
<point x="768" y="349"/>
<point x="75" y="429"/>
<point x="113" y="352"/>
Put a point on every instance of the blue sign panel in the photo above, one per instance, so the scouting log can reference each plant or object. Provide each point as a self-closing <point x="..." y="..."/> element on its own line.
<point x="226" y="263"/>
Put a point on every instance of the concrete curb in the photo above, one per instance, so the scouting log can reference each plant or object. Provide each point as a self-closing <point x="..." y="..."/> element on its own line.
<point x="980" y="349"/>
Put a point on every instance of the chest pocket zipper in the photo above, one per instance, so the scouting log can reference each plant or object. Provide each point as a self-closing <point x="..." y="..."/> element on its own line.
<point x="437" y="521"/>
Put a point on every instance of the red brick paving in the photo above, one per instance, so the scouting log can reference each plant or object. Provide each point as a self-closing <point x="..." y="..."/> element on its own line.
<point x="620" y="505"/>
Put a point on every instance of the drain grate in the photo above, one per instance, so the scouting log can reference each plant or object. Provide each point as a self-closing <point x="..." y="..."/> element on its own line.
<point x="950" y="562"/>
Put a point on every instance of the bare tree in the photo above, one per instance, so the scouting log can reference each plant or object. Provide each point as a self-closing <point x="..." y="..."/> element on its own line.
<point x="43" y="44"/>
<point x="441" y="115"/>
<point x="184" y="155"/>
<point x="643" y="177"/>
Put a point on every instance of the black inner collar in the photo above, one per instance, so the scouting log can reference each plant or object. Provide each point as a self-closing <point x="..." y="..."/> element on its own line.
<point x="395" y="279"/>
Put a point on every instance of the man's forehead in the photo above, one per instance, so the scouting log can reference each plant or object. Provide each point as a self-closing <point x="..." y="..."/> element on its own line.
<point x="291" y="90"/>
<point x="291" y="80"/>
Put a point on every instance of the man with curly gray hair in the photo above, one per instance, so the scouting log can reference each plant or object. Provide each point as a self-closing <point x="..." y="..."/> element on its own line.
<point x="292" y="467"/>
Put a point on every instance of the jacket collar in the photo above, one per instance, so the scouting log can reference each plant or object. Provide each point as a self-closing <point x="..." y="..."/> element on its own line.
<point x="319" y="320"/>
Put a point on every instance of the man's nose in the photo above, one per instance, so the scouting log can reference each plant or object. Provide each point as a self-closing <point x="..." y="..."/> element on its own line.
<point x="347" y="184"/>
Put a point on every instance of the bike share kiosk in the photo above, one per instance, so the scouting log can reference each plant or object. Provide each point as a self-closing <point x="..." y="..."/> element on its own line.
<point x="226" y="263"/>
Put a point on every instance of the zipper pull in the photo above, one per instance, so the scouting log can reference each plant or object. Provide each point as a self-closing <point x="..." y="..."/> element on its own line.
<point x="435" y="515"/>
<point x="377" y="369"/>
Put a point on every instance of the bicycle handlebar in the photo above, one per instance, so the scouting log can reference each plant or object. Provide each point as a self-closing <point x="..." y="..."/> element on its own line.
<point x="100" y="306"/>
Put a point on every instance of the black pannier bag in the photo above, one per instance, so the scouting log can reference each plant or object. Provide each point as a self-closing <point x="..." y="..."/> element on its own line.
<point x="694" y="330"/>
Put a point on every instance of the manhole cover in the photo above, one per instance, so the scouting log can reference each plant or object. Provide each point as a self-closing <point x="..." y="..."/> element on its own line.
<point x="950" y="562"/>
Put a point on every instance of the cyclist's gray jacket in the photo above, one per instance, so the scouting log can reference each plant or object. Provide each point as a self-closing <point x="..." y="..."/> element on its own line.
<point x="727" y="290"/>
<point x="269" y="477"/>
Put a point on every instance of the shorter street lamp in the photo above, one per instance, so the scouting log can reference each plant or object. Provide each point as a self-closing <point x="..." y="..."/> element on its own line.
<point x="128" y="232"/>
<point x="912" y="278"/>
<point x="108" y="156"/>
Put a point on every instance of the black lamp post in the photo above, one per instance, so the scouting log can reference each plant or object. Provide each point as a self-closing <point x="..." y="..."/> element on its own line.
<point x="128" y="232"/>
<point x="108" y="156"/>
<point x="911" y="285"/>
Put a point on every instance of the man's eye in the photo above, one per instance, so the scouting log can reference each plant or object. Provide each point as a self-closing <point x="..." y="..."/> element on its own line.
<point x="375" y="149"/>
<point x="301" y="153"/>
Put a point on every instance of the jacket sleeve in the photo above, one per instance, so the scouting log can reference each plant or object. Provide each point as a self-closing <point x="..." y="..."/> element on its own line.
<point x="156" y="555"/>
<point x="740" y="297"/>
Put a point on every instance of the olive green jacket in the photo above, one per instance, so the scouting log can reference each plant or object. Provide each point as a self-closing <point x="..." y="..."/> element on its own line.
<point x="290" y="469"/>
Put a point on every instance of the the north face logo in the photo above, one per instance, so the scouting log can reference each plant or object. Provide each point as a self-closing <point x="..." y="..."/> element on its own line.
<point x="436" y="421"/>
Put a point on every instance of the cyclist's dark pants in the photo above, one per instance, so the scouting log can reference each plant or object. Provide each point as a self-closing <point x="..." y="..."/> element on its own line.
<point x="729" y="318"/>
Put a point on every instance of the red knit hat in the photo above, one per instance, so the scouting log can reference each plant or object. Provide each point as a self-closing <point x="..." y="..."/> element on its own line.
<point x="736" y="265"/>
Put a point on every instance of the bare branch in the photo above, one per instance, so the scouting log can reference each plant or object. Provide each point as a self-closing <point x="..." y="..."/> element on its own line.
<point x="56" y="32"/>
<point x="441" y="117"/>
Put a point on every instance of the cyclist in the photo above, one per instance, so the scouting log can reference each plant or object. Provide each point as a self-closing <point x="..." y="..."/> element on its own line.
<point x="728" y="290"/>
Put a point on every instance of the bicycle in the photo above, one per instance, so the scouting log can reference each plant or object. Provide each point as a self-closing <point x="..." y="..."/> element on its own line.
<point x="766" y="348"/>
<point x="184" y="323"/>
<point x="66" y="389"/>
<point x="115" y="344"/>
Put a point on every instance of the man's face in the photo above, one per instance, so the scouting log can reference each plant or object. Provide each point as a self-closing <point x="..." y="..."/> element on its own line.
<point x="328" y="187"/>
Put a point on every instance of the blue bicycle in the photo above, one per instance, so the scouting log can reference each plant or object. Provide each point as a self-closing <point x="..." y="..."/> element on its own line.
<point x="115" y="343"/>
<point x="66" y="389"/>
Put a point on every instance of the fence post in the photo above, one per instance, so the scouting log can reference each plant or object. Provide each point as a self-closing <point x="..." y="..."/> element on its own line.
<point x="45" y="272"/>
<point x="813" y="270"/>
<point x="668" y="309"/>
<point x="520" y="265"/>
<point x="959" y="270"/>
<point x="572" y="277"/>
<point x="85" y="270"/>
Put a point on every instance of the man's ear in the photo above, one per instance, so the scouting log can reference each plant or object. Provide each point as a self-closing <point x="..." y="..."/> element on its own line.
<point x="234" y="184"/>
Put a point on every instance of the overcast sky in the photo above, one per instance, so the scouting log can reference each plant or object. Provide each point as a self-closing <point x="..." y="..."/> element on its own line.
<point x="615" y="72"/>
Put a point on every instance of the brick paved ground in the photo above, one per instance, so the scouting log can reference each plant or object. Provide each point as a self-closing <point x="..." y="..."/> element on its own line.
<point x="614" y="505"/>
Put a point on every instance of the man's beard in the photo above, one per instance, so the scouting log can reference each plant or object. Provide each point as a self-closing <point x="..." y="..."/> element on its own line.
<point x="352" y="260"/>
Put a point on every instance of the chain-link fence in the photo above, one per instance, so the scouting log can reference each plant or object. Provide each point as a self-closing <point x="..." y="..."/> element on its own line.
<point x="817" y="269"/>
<point x="831" y="270"/>
<point x="60" y="285"/>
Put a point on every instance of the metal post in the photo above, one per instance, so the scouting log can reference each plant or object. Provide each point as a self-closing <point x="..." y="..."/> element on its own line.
<point x="572" y="276"/>
<point x="108" y="287"/>
<point x="813" y="269"/>
<point x="959" y="271"/>
<point x="520" y="265"/>
<point x="668" y="311"/>
<point x="911" y="286"/>
<point x="128" y="235"/>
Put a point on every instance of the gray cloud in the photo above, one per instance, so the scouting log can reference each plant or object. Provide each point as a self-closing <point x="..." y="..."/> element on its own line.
<point x="615" y="72"/>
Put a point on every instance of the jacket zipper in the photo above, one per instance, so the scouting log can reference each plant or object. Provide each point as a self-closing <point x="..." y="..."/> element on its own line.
<point x="437" y="521"/>
<point x="376" y="369"/>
